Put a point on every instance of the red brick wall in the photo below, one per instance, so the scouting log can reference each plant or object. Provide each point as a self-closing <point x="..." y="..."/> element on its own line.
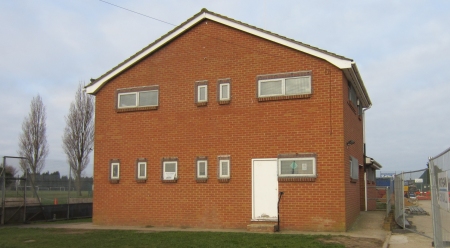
<point x="353" y="131"/>
<point x="244" y="129"/>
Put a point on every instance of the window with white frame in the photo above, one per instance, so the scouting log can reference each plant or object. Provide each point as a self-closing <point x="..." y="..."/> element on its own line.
<point x="202" y="93"/>
<point x="284" y="86"/>
<point x="147" y="96"/>
<point x="170" y="169"/>
<point x="115" y="171"/>
<point x="297" y="167"/>
<point x="141" y="170"/>
<point x="354" y="168"/>
<point x="224" y="91"/>
<point x="224" y="168"/>
<point x="202" y="168"/>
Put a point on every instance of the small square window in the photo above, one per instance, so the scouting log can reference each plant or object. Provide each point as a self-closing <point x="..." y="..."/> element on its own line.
<point x="224" y="168"/>
<point x="297" y="167"/>
<point x="115" y="171"/>
<point x="170" y="170"/>
<point x="202" y="169"/>
<point x="142" y="170"/>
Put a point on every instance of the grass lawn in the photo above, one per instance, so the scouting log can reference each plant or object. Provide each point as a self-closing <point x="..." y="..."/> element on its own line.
<point x="35" y="237"/>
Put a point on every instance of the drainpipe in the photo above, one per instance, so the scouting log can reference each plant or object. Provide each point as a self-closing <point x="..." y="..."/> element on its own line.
<point x="364" y="153"/>
<point x="278" y="210"/>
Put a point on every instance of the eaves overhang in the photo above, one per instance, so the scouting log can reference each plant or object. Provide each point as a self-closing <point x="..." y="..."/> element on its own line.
<point x="346" y="64"/>
<point x="372" y="163"/>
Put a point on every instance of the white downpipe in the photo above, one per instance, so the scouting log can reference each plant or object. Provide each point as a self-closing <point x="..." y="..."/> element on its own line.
<point x="365" y="189"/>
<point x="364" y="151"/>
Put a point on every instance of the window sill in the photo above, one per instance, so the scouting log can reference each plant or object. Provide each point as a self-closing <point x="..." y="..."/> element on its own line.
<point x="201" y="180"/>
<point x="353" y="180"/>
<point x="224" y="102"/>
<point x="169" y="181"/>
<point x="276" y="98"/>
<point x="141" y="180"/>
<point x="121" y="110"/>
<point x="114" y="181"/>
<point x="296" y="179"/>
<point x="201" y="104"/>
<point x="224" y="180"/>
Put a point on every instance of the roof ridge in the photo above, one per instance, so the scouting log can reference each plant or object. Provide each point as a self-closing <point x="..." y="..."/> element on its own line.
<point x="202" y="11"/>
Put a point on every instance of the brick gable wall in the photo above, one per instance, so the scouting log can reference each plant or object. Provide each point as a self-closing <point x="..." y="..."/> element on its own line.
<point x="245" y="128"/>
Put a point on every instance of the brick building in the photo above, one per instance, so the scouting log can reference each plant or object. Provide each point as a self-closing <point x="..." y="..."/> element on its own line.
<point x="208" y="124"/>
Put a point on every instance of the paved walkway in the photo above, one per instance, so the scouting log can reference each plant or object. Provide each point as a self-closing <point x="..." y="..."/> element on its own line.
<point x="423" y="227"/>
<point x="368" y="225"/>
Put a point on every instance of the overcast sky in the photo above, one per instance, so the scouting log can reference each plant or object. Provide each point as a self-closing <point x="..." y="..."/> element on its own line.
<point x="401" y="48"/>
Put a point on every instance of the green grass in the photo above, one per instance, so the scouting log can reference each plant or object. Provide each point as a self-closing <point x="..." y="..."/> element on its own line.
<point x="34" y="237"/>
<point x="47" y="197"/>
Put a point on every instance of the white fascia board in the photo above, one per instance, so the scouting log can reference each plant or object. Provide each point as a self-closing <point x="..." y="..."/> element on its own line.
<point x="340" y="63"/>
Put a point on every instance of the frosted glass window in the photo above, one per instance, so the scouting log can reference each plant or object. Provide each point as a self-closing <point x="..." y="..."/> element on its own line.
<point x="202" y="93"/>
<point x="127" y="100"/>
<point x="225" y="92"/>
<point x="202" y="170"/>
<point x="298" y="86"/>
<point x="224" y="168"/>
<point x="148" y="98"/>
<point x="269" y="88"/>
<point x="295" y="167"/>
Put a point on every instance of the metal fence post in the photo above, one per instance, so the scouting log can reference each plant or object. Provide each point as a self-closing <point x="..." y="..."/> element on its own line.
<point x="3" y="190"/>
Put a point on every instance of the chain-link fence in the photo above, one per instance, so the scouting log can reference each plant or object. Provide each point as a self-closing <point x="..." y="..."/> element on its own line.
<point x="439" y="174"/>
<point x="24" y="194"/>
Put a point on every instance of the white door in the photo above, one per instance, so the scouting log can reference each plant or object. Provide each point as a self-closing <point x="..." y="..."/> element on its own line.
<point x="265" y="189"/>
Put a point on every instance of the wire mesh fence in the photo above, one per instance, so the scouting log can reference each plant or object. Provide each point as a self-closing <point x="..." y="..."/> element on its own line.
<point x="24" y="194"/>
<point x="408" y="188"/>
<point x="439" y="171"/>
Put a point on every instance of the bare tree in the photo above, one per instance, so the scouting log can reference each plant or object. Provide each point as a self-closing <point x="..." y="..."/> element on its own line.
<point x="78" y="139"/>
<point x="33" y="139"/>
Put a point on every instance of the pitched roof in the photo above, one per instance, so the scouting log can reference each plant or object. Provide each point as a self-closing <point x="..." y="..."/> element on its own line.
<point x="346" y="64"/>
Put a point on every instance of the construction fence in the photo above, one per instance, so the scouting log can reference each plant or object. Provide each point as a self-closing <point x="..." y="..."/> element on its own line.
<point x="48" y="196"/>
<point x="409" y="187"/>
<point x="439" y="174"/>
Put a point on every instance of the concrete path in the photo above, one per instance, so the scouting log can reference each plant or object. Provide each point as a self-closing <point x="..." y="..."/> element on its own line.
<point x="424" y="230"/>
<point x="368" y="225"/>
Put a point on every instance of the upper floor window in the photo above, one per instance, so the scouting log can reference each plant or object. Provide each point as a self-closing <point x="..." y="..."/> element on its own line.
<point x="201" y="93"/>
<point x="114" y="170"/>
<point x="285" y="84"/>
<point x="352" y="97"/>
<point x="147" y="96"/>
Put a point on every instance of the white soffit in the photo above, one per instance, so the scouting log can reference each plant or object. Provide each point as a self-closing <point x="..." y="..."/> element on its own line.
<point x="340" y="63"/>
